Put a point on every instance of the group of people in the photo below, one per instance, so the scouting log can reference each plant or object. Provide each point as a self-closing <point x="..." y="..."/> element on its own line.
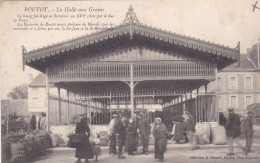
<point x="233" y="130"/>
<point x="128" y="133"/>
<point x="29" y="122"/>
<point x="125" y="131"/>
<point x="42" y="122"/>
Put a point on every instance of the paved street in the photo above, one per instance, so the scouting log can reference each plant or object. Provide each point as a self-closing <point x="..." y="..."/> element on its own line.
<point x="176" y="153"/>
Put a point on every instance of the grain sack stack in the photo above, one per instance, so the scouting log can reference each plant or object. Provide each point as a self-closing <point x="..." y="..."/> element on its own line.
<point x="104" y="138"/>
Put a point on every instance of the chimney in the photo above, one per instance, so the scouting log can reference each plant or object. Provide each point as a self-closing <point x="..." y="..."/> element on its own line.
<point x="30" y="78"/>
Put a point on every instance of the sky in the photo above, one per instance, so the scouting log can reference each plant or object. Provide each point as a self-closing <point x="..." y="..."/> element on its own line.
<point x="221" y="21"/>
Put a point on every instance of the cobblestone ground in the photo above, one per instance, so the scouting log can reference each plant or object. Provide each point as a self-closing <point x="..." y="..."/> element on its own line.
<point x="176" y="153"/>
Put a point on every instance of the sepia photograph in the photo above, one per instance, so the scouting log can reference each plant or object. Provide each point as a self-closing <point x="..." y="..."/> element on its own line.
<point x="130" y="81"/>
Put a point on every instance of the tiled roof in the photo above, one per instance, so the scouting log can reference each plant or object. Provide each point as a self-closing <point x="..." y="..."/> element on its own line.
<point x="39" y="81"/>
<point x="245" y="64"/>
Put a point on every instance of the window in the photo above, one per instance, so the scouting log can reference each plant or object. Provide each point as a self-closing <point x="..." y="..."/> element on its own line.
<point x="232" y="83"/>
<point x="233" y="101"/>
<point x="35" y="102"/>
<point x="248" y="83"/>
<point x="248" y="100"/>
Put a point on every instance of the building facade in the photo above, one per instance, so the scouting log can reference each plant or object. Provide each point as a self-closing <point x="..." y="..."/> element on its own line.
<point x="238" y="85"/>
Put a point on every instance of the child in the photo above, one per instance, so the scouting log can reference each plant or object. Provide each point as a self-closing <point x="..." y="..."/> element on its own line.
<point x="95" y="143"/>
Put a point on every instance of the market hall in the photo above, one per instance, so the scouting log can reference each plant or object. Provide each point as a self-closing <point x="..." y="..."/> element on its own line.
<point x="130" y="68"/>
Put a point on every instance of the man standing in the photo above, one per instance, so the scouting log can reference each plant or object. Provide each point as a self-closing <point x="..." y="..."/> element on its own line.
<point x="112" y="135"/>
<point x="233" y="130"/>
<point x="145" y="130"/>
<point x="120" y="130"/>
<point x="248" y="130"/>
<point x="190" y="130"/>
<point x="43" y="122"/>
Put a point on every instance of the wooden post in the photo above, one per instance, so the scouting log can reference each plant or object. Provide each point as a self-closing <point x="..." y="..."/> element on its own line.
<point x="59" y="105"/>
<point x="217" y="94"/>
<point x="47" y="100"/>
<point x="68" y="94"/>
<point x="132" y="89"/>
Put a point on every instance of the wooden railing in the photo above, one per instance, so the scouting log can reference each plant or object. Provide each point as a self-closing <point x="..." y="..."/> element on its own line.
<point x="121" y="71"/>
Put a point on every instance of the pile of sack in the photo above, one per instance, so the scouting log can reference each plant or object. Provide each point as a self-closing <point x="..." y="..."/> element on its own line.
<point x="104" y="138"/>
<point x="24" y="146"/>
<point x="210" y="132"/>
<point x="58" y="140"/>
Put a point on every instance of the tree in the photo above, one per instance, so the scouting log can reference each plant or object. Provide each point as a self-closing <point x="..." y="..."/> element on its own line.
<point x="19" y="92"/>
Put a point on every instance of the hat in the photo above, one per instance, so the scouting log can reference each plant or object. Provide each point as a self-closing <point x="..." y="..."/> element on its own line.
<point x="230" y="109"/>
<point x="131" y="121"/>
<point x="115" y="115"/>
<point x="140" y="115"/>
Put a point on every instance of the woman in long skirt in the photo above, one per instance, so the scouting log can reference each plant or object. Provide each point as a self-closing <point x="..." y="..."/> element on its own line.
<point x="160" y="134"/>
<point x="131" y="140"/>
<point x="85" y="151"/>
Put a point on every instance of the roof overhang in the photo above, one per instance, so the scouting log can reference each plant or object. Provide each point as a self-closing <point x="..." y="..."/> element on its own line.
<point x="131" y="30"/>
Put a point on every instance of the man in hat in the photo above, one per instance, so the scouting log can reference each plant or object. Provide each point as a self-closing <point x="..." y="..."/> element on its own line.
<point x="233" y="130"/>
<point x="248" y="131"/>
<point x="120" y="130"/>
<point x="145" y="130"/>
<point x="112" y="135"/>
<point x="43" y="122"/>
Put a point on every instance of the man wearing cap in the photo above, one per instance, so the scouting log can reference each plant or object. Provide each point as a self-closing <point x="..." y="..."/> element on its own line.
<point x="120" y="130"/>
<point x="248" y="131"/>
<point x="144" y="129"/>
<point x="233" y="130"/>
<point x="112" y="135"/>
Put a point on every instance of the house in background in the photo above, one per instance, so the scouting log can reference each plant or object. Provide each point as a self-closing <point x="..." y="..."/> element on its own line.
<point x="37" y="94"/>
<point x="239" y="85"/>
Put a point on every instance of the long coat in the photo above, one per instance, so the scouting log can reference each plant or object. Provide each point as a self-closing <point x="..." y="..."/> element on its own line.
<point x="233" y="127"/>
<point x="248" y="125"/>
<point x="160" y="134"/>
<point x="144" y="127"/>
<point x="179" y="131"/>
<point x="84" y="152"/>
<point x="131" y="139"/>
<point x="33" y="123"/>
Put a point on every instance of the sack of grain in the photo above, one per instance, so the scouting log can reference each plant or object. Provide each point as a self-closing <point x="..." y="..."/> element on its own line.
<point x="38" y="141"/>
<point x="48" y="141"/>
<point x="203" y="130"/>
<point x="219" y="135"/>
<point x="63" y="141"/>
<point x="103" y="142"/>
<point x="106" y="137"/>
<point x="54" y="140"/>
<point x="5" y="149"/>
<point x="17" y="153"/>
<point x="28" y="144"/>
<point x="43" y="141"/>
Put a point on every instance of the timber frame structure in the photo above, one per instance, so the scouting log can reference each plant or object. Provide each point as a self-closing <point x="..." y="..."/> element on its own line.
<point x="129" y="64"/>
